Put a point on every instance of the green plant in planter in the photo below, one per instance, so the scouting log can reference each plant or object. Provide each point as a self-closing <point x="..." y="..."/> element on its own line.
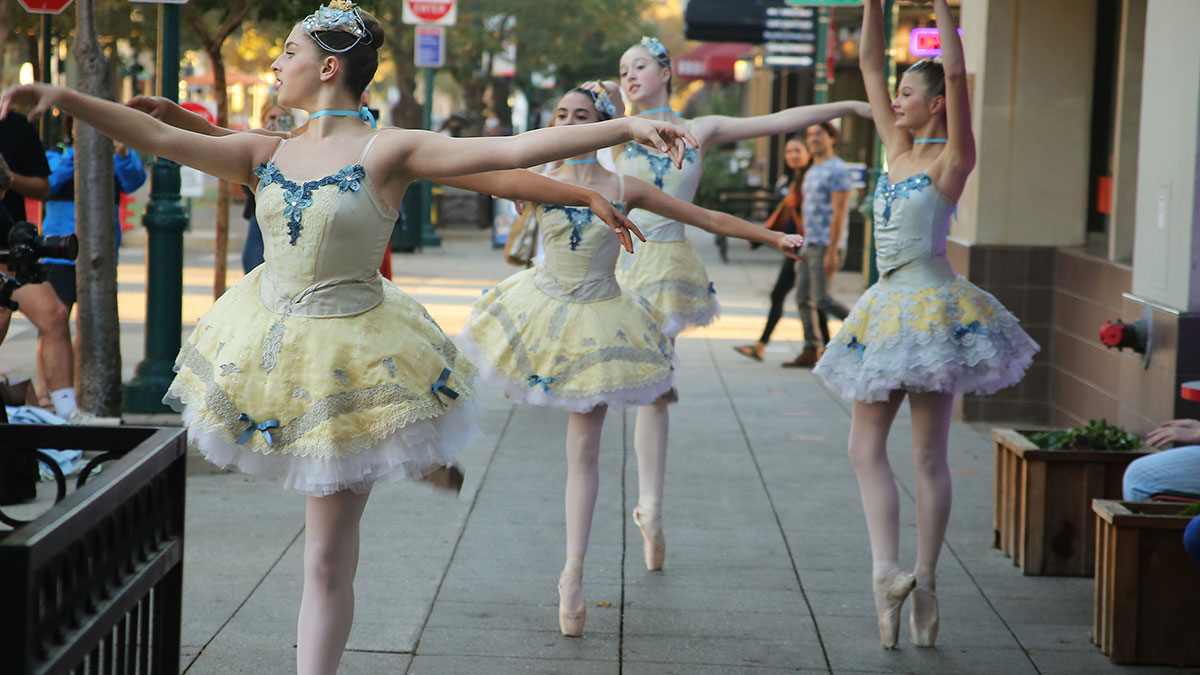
<point x="1097" y="435"/>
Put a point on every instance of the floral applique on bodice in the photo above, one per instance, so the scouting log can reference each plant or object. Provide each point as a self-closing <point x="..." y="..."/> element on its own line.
<point x="912" y="219"/>
<point x="581" y="253"/>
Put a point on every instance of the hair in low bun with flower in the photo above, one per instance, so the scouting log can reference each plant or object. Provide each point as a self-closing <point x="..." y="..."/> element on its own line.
<point x="351" y="34"/>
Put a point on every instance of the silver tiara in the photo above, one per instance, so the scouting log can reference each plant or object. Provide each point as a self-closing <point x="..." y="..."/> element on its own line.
<point x="339" y="16"/>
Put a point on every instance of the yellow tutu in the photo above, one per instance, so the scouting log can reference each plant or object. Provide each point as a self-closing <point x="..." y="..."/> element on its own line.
<point x="671" y="276"/>
<point x="571" y="355"/>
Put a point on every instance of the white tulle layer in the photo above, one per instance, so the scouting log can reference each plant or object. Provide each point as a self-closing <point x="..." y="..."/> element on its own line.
<point x="407" y="454"/>
<point x="520" y="392"/>
<point x="677" y="323"/>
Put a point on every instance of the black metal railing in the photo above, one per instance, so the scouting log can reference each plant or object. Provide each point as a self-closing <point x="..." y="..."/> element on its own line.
<point x="95" y="584"/>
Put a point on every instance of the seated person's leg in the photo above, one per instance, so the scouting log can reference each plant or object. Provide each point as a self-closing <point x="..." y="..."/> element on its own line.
<point x="55" y="356"/>
<point x="1176" y="470"/>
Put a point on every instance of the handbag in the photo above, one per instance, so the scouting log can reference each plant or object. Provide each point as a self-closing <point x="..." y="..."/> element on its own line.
<point x="521" y="245"/>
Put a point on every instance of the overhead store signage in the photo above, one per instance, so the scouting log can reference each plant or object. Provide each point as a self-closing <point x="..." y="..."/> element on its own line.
<point x="925" y="42"/>
<point x="790" y="36"/>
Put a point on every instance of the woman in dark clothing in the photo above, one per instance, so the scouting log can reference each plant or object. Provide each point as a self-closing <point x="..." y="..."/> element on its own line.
<point x="786" y="218"/>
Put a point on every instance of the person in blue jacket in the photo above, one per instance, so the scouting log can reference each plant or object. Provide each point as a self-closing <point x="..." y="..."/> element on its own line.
<point x="129" y="175"/>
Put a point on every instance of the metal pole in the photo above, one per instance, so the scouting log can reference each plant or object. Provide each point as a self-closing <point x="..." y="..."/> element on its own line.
<point x="428" y="236"/>
<point x="165" y="220"/>
<point x="44" y="124"/>
<point x="821" y="87"/>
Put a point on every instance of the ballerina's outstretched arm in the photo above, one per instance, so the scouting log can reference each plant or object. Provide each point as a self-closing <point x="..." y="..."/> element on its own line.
<point x="231" y="158"/>
<point x="519" y="184"/>
<point x="643" y="195"/>
<point x="717" y="129"/>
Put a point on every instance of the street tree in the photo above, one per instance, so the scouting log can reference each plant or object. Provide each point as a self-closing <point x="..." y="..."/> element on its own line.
<point x="99" y="350"/>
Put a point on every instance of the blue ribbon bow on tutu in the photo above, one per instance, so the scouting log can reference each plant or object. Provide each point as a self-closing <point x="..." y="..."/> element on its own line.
<point x="855" y="344"/>
<point x="264" y="427"/>
<point x="440" y="387"/>
<point x="712" y="290"/>
<point x="973" y="327"/>
<point x="535" y="380"/>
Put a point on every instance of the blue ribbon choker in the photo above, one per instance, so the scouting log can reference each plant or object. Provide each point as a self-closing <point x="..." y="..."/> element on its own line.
<point x="361" y="113"/>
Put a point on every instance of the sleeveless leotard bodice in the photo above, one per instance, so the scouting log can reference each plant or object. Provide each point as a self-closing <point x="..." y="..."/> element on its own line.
<point x="912" y="219"/>
<point x="564" y="334"/>
<point x="313" y="367"/>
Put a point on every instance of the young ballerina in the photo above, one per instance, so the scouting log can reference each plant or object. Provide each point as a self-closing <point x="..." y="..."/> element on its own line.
<point x="564" y="334"/>
<point x="313" y="367"/>
<point x="667" y="270"/>
<point x="921" y="331"/>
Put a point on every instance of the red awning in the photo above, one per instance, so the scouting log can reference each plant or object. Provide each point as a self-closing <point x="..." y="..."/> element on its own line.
<point x="711" y="61"/>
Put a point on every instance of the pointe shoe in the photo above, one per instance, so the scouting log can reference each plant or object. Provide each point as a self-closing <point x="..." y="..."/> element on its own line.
<point x="449" y="478"/>
<point x="570" y="621"/>
<point x="654" y="544"/>
<point x="924" y="631"/>
<point x="890" y="593"/>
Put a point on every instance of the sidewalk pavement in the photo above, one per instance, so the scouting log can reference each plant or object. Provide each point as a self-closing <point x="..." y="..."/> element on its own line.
<point x="767" y="568"/>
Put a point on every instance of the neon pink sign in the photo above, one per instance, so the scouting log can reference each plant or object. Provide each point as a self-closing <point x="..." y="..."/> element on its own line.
<point x="925" y="42"/>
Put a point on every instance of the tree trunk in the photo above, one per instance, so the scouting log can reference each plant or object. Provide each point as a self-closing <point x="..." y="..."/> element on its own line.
<point x="221" y="243"/>
<point x="99" y="351"/>
<point x="212" y="42"/>
<point x="5" y="29"/>
<point x="408" y="111"/>
<point x="473" y="101"/>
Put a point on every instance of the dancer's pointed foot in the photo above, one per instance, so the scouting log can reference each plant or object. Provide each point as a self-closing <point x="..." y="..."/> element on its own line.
<point x="572" y="607"/>
<point x="924" y="617"/>
<point x="890" y="592"/>
<point x="654" y="544"/>
<point x="449" y="478"/>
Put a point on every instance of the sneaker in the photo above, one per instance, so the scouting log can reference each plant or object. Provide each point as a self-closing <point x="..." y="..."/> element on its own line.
<point x="86" y="419"/>
<point x="807" y="359"/>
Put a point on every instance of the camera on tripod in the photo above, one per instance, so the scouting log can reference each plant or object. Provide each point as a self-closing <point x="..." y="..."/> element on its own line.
<point x="26" y="248"/>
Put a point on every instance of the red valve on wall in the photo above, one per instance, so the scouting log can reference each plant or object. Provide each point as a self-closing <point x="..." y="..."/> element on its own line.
<point x="1120" y="335"/>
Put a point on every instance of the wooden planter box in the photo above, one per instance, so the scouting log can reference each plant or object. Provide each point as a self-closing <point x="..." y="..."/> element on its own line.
<point x="1042" y="502"/>
<point x="1147" y="607"/>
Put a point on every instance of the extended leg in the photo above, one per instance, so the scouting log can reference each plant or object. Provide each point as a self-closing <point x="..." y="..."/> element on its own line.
<point x="650" y="443"/>
<point x="930" y="428"/>
<point x="330" y="561"/>
<point x="583" y="484"/>
<point x="869" y="427"/>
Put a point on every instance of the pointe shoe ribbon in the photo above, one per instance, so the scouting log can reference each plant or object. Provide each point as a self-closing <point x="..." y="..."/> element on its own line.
<point x="890" y="593"/>
<point x="654" y="544"/>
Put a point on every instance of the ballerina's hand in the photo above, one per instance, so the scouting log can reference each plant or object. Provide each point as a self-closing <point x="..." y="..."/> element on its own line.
<point x="790" y="245"/>
<point x="154" y="106"/>
<point x="616" y="221"/>
<point x="38" y="98"/>
<point x="664" y="137"/>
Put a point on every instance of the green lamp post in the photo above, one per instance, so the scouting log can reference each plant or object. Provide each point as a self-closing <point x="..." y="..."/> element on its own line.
<point x="165" y="220"/>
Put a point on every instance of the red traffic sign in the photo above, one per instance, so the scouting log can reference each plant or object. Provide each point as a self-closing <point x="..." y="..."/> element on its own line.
<point x="45" y="6"/>
<point x="436" y="12"/>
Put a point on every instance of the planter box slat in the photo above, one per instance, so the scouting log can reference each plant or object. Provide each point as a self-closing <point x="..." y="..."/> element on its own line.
<point x="1147" y="602"/>
<point x="1042" y="517"/>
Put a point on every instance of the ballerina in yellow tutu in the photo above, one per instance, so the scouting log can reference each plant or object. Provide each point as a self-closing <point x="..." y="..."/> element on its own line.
<point x="921" y="331"/>
<point x="564" y="334"/>
<point x="312" y="367"/>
